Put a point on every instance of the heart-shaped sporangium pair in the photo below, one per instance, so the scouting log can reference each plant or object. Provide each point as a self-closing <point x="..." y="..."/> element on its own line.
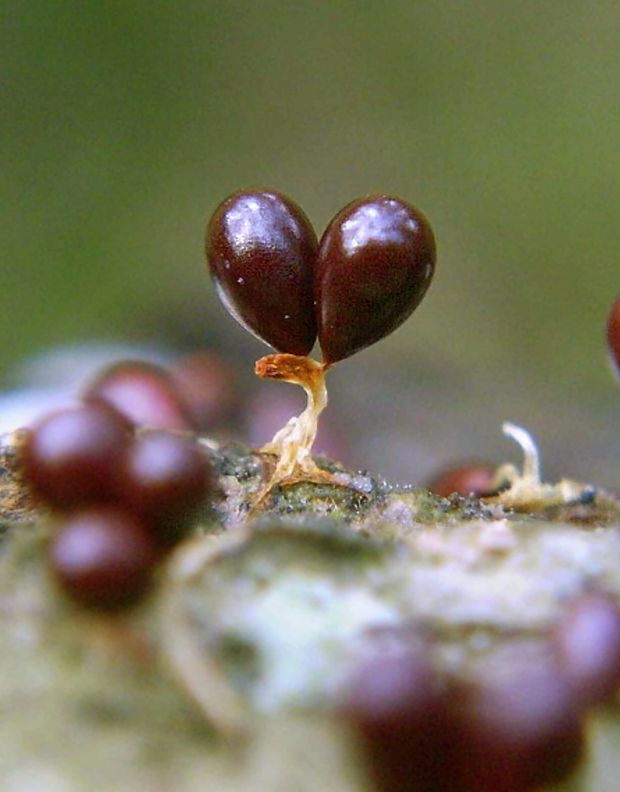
<point x="367" y="274"/>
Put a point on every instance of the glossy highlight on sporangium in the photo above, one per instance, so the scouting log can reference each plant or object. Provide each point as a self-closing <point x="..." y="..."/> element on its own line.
<point x="375" y="262"/>
<point x="261" y="251"/>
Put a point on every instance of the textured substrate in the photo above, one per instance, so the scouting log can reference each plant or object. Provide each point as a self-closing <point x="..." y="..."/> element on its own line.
<point x="226" y="678"/>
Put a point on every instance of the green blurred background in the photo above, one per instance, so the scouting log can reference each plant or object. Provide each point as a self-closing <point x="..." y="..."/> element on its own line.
<point x="125" y="123"/>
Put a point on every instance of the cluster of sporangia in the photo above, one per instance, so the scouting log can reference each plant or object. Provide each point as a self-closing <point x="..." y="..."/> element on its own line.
<point x="518" y="725"/>
<point x="613" y="335"/>
<point x="370" y="270"/>
<point x="123" y="496"/>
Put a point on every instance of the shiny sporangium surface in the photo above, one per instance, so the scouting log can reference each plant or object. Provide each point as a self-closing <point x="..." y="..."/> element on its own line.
<point x="518" y="731"/>
<point x="261" y="251"/>
<point x="375" y="262"/>
<point x="613" y="334"/>
<point x="143" y="392"/>
<point x="468" y="478"/>
<point x="72" y="456"/>
<point x="103" y="557"/>
<point x="394" y="708"/>
<point x="587" y="641"/>
<point x="164" y="478"/>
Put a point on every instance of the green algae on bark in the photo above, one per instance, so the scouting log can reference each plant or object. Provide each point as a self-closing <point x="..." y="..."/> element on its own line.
<point x="276" y="607"/>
